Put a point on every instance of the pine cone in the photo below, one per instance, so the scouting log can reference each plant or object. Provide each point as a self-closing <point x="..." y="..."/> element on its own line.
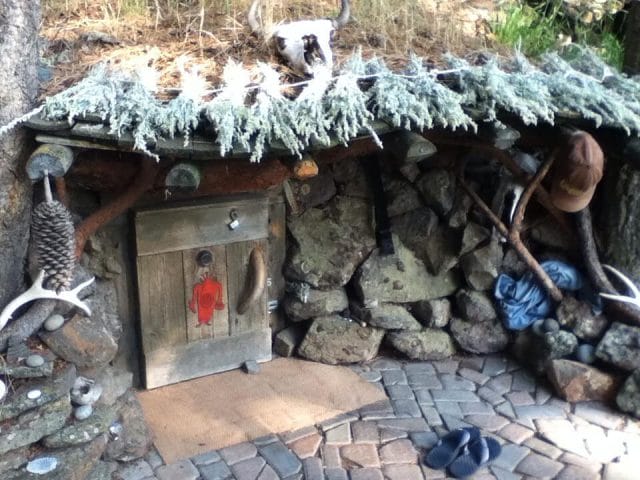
<point x="54" y="237"/>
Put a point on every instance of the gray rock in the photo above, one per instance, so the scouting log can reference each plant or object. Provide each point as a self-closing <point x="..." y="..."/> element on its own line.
<point x="83" y="341"/>
<point x="512" y="264"/>
<point x="115" y="382"/>
<point x="14" y="459"/>
<point x="334" y="340"/>
<point x="19" y="403"/>
<point x="414" y="228"/>
<point x="479" y="337"/>
<point x="462" y="203"/>
<point x="548" y="234"/>
<point x="318" y="304"/>
<point x="84" y="431"/>
<point x="473" y="236"/>
<point x="481" y="267"/>
<point x="432" y="313"/>
<point x="619" y="346"/>
<point x="330" y="243"/>
<point x="76" y="463"/>
<point x="24" y="371"/>
<point x="135" y="439"/>
<point x="400" y="278"/>
<point x="33" y="425"/>
<point x="475" y="306"/>
<point x="351" y="179"/>
<point x="251" y="367"/>
<point x="427" y="344"/>
<point x="579" y="317"/>
<point x="401" y="196"/>
<point x="54" y="322"/>
<point x="559" y="344"/>
<point x="577" y="382"/>
<point x="441" y="250"/>
<point x="387" y="316"/>
<point x="628" y="398"/>
<point x="586" y="353"/>
<point x="314" y="191"/>
<point x="287" y="340"/>
<point x="34" y="361"/>
<point x="438" y="188"/>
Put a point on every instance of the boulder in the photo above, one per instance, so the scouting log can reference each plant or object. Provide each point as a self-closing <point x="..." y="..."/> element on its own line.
<point x="628" y="398"/>
<point x="547" y="234"/>
<point x="401" y="196"/>
<point x="330" y="243"/>
<point x="481" y="267"/>
<point x="288" y="339"/>
<point x="318" y="303"/>
<point x="579" y="318"/>
<point x="387" y="316"/>
<point x="441" y="250"/>
<point x="462" y="203"/>
<point x="414" y="229"/>
<point x="512" y="264"/>
<point x="351" y="179"/>
<point x="432" y="313"/>
<point x="400" y="278"/>
<point x="135" y="438"/>
<point x="577" y="382"/>
<point x="479" y="337"/>
<point x="619" y="346"/>
<point x="427" y="344"/>
<point x="558" y="345"/>
<point x="472" y="236"/>
<point x="314" y="191"/>
<point x="14" y="459"/>
<point x="334" y="340"/>
<point x="83" y="341"/>
<point x="35" y="424"/>
<point x="114" y="382"/>
<point x="438" y="188"/>
<point x="475" y="306"/>
<point x="82" y="431"/>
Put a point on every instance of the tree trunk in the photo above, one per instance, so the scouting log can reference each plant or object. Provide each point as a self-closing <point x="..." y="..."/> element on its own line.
<point x="19" y="21"/>
<point x="631" y="40"/>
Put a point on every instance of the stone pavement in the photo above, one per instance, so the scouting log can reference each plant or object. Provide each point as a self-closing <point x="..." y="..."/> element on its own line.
<point x="542" y="436"/>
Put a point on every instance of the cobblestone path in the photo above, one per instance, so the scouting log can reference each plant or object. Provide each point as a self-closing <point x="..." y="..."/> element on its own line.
<point x="542" y="436"/>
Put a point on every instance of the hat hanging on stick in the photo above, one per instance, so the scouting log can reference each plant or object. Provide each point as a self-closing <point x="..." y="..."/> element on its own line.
<point x="578" y="170"/>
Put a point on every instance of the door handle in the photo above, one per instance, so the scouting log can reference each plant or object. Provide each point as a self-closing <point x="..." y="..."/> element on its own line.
<point x="257" y="279"/>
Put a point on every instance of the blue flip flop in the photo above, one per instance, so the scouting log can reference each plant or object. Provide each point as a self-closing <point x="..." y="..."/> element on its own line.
<point x="475" y="455"/>
<point x="446" y="450"/>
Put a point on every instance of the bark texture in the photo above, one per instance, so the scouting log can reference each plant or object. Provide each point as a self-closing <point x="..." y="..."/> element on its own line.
<point x="19" y="22"/>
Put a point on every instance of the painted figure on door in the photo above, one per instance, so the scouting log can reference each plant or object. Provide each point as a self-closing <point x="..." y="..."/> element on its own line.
<point x="206" y="298"/>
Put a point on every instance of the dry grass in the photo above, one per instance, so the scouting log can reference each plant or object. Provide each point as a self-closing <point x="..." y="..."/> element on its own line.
<point x="212" y="31"/>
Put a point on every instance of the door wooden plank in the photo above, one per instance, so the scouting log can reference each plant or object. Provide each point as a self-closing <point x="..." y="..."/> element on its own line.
<point x="237" y="274"/>
<point x="161" y="287"/>
<point x="193" y="274"/>
<point x="196" y="359"/>
<point x="183" y="228"/>
<point x="277" y="257"/>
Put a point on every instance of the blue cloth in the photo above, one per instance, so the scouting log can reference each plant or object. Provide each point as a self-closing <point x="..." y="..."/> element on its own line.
<point x="524" y="301"/>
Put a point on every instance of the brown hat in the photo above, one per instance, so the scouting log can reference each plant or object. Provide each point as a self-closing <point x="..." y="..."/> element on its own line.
<point x="578" y="169"/>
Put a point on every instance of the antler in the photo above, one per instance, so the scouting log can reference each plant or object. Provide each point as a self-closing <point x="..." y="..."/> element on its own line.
<point x="634" y="299"/>
<point x="38" y="292"/>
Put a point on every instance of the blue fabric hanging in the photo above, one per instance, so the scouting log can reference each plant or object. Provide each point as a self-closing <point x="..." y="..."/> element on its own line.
<point x="524" y="301"/>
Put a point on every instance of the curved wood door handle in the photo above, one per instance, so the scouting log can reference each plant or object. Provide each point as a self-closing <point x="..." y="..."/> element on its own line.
<point x="257" y="280"/>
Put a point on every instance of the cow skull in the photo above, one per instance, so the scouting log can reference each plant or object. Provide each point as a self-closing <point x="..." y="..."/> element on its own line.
<point x="304" y="44"/>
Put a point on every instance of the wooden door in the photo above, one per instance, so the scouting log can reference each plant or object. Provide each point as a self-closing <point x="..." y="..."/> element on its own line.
<point x="193" y="271"/>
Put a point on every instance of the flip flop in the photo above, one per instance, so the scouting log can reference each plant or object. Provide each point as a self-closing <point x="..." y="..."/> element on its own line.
<point x="475" y="455"/>
<point x="446" y="450"/>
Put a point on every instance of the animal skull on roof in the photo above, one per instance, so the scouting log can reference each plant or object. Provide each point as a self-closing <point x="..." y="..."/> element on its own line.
<point x="304" y="44"/>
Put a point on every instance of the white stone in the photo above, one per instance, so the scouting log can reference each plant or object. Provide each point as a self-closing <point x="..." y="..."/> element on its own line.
<point x="54" y="322"/>
<point x="3" y="390"/>
<point x="34" y="361"/>
<point x="34" y="394"/>
<point x="83" y="412"/>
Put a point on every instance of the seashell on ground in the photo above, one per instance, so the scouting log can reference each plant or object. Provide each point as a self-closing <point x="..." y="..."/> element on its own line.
<point x="34" y="394"/>
<point x="42" y="465"/>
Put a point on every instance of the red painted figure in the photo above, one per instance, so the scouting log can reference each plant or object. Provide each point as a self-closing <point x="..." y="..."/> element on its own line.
<point x="206" y="297"/>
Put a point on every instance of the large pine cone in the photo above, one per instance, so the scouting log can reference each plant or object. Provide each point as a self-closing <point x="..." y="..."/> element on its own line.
<point x="54" y="236"/>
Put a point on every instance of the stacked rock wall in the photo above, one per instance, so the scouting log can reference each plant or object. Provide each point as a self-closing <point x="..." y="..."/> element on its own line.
<point x="434" y="296"/>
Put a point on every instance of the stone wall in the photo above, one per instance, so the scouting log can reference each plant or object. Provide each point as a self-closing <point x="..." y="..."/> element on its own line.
<point x="434" y="296"/>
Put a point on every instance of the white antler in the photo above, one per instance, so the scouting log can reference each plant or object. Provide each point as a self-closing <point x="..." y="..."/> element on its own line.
<point x="38" y="292"/>
<point x="634" y="299"/>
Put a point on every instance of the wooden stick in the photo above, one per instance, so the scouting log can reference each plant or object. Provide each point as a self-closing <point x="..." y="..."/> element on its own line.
<point x="594" y="267"/>
<point x="513" y="234"/>
<point x="144" y="181"/>
<point x="61" y="190"/>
